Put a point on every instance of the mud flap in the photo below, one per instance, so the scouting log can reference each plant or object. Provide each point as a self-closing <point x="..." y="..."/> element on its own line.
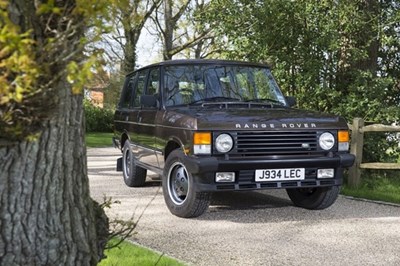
<point x="119" y="164"/>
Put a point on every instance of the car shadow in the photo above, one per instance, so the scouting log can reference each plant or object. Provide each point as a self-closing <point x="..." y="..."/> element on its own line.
<point x="274" y="206"/>
<point x="246" y="200"/>
<point x="152" y="183"/>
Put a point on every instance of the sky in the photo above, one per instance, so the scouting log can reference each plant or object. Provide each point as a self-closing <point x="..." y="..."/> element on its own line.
<point x="148" y="49"/>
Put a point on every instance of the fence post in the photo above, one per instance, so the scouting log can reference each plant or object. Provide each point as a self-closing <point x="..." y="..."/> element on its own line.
<point x="357" y="142"/>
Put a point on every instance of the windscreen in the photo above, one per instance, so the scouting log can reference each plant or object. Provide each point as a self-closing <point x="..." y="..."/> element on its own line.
<point x="196" y="83"/>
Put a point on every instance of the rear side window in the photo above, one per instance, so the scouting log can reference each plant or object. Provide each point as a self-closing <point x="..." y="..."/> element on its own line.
<point x="154" y="82"/>
<point x="126" y="96"/>
<point x="139" y="89"/>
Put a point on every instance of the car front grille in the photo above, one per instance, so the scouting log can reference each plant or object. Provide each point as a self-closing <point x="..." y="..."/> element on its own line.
<point x="276" y="143"/>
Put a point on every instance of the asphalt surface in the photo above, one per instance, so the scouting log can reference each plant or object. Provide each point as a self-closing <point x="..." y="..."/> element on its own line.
<point x="252" y="228"/>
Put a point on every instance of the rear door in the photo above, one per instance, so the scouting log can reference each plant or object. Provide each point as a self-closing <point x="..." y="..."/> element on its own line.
<point x="125" y="115"/>
<point x="146" y="119"/>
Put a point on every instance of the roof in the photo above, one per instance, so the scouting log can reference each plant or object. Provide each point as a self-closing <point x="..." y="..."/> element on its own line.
<point x="201" y="62"/>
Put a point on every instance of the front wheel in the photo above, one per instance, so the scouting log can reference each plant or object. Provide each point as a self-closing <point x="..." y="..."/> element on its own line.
<point x="178" y="188"/>
<point x="314" y="198"/>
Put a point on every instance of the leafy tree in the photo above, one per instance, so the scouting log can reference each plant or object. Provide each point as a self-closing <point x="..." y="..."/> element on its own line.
<point x="131" y="16"/>
<point x="180" y="29"/>
<point x="194" y="27"/>
<point x="47" y="215"/>
<point x="334" y="56"/>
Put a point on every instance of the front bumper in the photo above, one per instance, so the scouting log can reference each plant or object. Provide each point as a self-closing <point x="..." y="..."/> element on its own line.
<point x="203" y="170"/>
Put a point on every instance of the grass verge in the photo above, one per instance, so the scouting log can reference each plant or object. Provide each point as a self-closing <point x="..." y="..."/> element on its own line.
<point x="129" y="254"/>
<point x="98" y="139"/>
<point x="377" y="186"/>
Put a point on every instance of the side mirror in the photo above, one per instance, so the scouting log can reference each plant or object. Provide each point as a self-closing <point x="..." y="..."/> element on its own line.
<point x="148" y="101"/>
<point x="291" y="100"/>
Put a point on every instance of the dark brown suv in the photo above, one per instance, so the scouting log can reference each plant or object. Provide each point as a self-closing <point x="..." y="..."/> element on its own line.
<point x="211" y="125"/>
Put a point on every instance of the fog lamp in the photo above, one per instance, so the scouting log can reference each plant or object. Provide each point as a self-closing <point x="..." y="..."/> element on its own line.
<point x="326" y="173"/>
<point x="225" y="177"/>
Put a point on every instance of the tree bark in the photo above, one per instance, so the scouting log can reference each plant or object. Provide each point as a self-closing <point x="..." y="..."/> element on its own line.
<point x="133" y="19"/>
<point x="168" y="30"/>
<point x="46" y="213"/>
<point x="132" y="37"/>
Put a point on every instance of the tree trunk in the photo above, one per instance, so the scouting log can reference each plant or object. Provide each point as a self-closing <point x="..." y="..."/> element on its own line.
<point x="46" y="213"/>
<point x="370" y="36"/>
<point x="363" y="38"/>
<point x="168" y="30"/>
<point x="132" y="38"/>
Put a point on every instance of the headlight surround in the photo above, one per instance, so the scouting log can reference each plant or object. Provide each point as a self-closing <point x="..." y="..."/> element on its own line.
<point x="326" y="141"/>
<point x="224" y="143"/>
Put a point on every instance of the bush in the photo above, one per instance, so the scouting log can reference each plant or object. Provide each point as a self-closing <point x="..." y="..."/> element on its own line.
<point x="98" y="119"/>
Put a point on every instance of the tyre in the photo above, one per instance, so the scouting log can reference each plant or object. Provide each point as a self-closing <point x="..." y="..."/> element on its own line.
<point x="178" y="188"/>
<point x="134" y="176"/>
<point x="314" y="198"/>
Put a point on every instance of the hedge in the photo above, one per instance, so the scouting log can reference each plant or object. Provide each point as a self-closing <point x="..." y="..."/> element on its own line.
<point x="98" y="119"/>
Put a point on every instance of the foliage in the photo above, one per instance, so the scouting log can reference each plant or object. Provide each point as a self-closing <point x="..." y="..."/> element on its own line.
<point x="112" y="92"/>
<point x="130" y="254"/>
<point x="131" y="16"/>
<point x="180" y="29"/>
<point x="98" y="119"/>
<point x="18" y="73"/>
<point x="121" y="230"/>
<point x="377" y="185"/>
<point x="36" y="55"/>
<point x="310" y="43"/>
<point x="381" y="147"/>
<point x="341" y="57"/>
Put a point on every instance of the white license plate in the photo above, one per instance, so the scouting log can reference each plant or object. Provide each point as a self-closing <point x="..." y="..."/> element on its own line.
<point x="273" y="175"/>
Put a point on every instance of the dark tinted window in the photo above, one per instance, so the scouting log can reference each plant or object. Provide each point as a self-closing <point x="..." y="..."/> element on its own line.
<point x="154" y="82"/>
<point x="127" y="92"/>
<point x="139" y="89"/>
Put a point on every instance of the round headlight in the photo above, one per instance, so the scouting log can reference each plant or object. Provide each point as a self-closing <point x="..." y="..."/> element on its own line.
<point x="223" y="143"/>
<point x="326" y="141"/>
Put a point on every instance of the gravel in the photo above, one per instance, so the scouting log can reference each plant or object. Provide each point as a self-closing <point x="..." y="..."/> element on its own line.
<point x="251" y="228"/>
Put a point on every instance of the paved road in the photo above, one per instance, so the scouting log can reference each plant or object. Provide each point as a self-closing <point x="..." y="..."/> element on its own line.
<point x="253" y="228"/>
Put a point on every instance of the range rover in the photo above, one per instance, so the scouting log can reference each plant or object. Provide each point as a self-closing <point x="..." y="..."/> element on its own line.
<point x="207" y="126"/>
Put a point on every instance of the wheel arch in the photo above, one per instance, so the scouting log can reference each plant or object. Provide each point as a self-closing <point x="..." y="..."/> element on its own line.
<point x="124" y="137"/>
<point x="172" y="145"/>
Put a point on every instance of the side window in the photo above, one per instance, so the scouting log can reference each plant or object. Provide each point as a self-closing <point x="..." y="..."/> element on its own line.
<point x="139" y="89"/>
<point x="154" y="82"/>
<point x="126" y="96"/>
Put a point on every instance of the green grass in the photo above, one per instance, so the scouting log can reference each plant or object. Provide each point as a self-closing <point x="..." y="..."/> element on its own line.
<point x="377" y="187"/>
<point x="96" y="139"/>
<point x="127" y="254"/>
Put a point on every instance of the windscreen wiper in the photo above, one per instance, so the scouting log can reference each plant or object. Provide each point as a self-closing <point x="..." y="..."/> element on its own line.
<point x="215" y="99"/>
<point x="264" y="100"/>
